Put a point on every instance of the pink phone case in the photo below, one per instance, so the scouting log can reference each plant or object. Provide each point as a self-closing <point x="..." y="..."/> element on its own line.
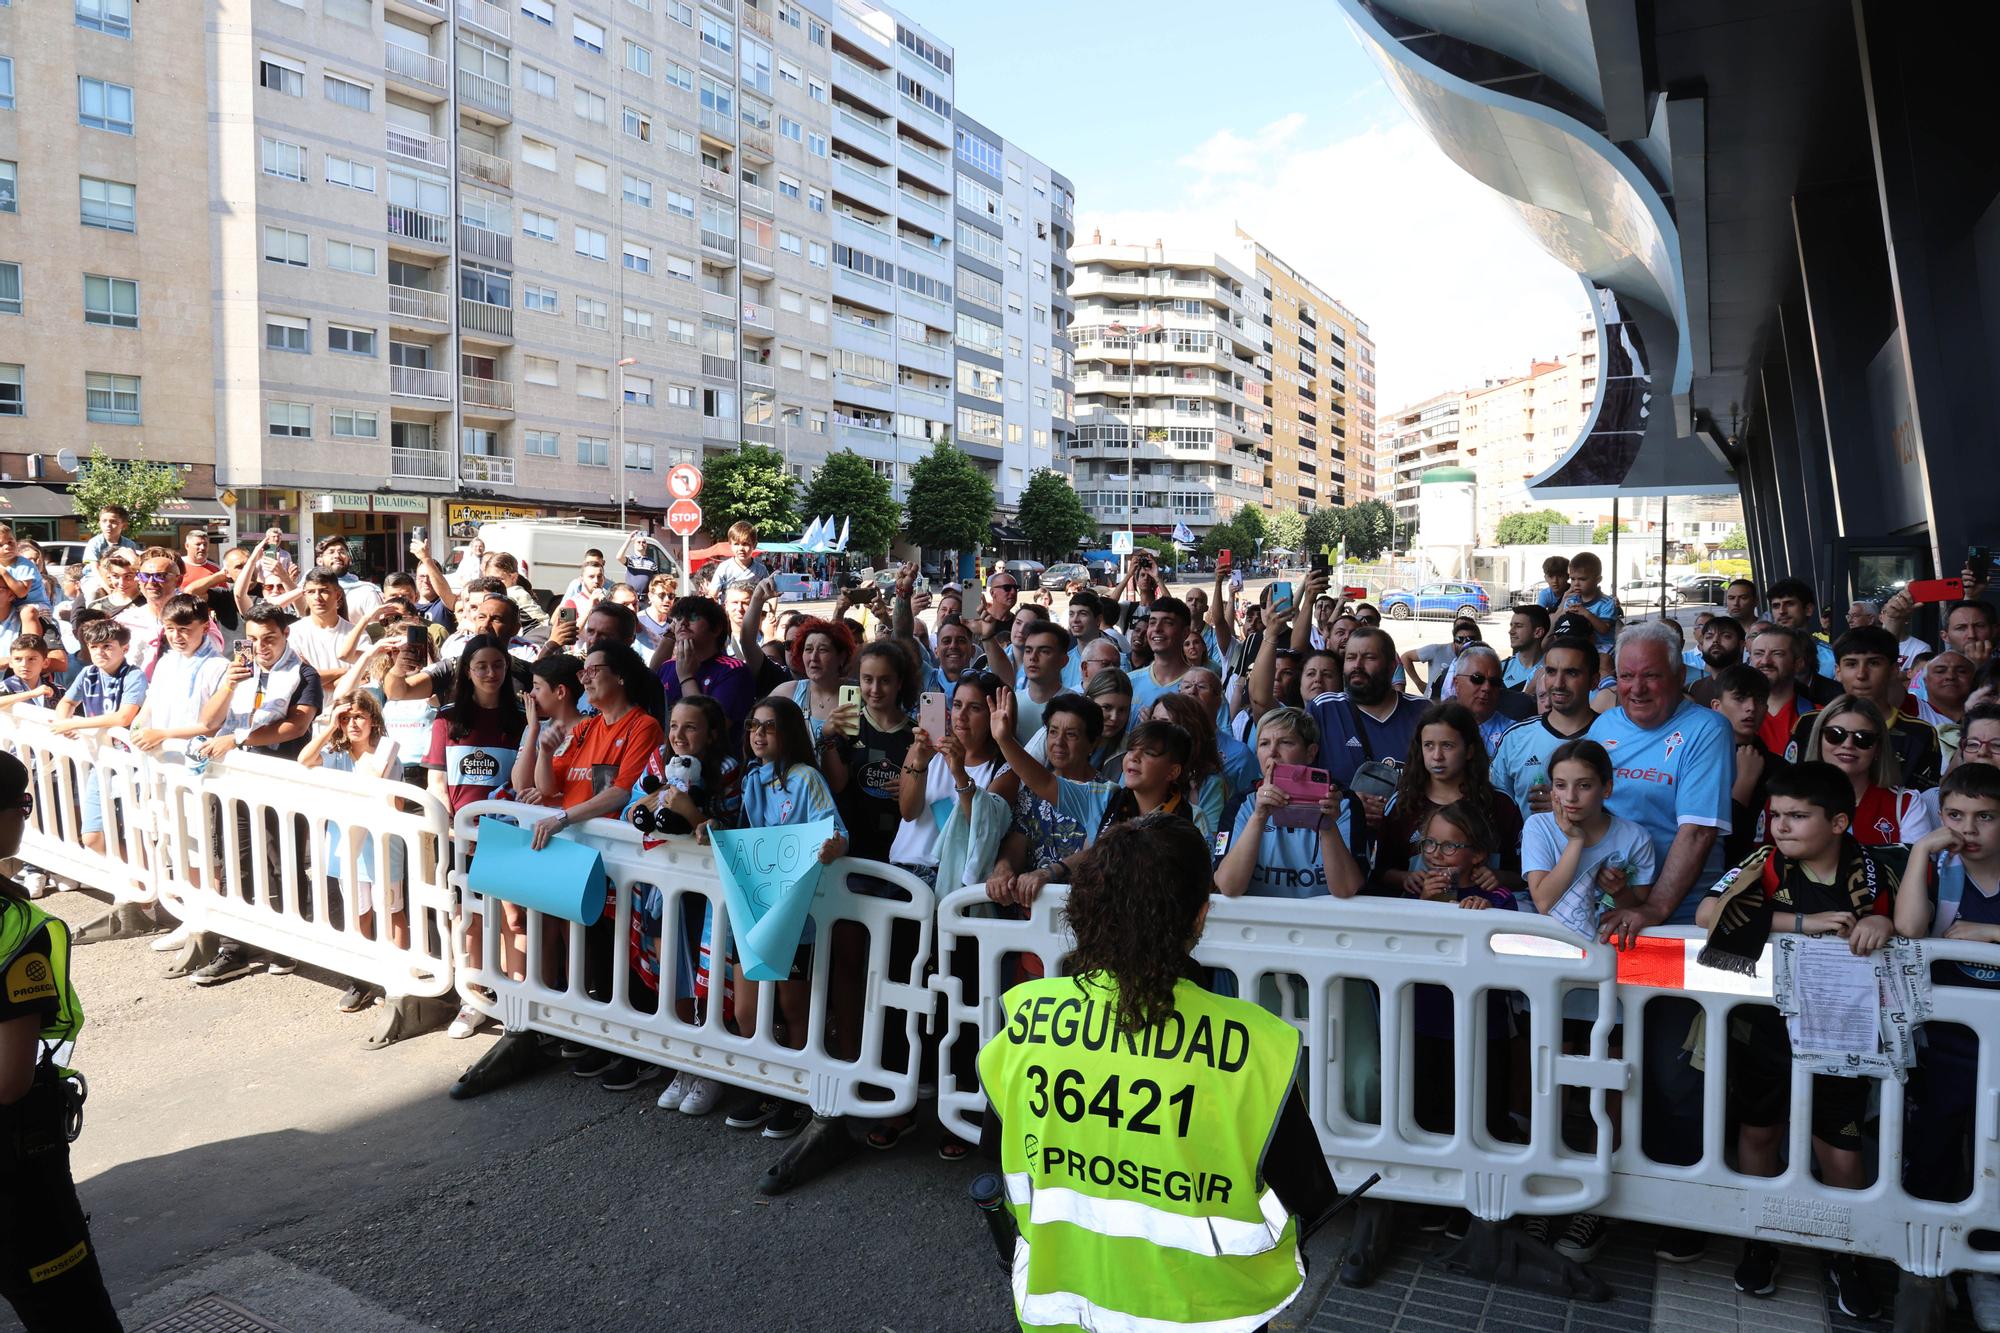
<point x="1307" y="787"/>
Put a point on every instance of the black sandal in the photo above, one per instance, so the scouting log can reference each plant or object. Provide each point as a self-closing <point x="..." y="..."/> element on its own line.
<point x="888" y="1133"/>
<point x="952" y="1148"/>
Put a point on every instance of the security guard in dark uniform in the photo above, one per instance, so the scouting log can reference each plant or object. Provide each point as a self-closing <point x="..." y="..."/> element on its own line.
<point x="1156" y="1155"/>
<point x="48" y="1271"/>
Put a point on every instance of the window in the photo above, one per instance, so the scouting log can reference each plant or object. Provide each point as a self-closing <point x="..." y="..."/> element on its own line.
<point x="111" y="399"/>
<point x="99" y="105"/>
<point x="479" y="441"/>
<point x="284" y="333"/>
<point x="788" y="187"/>
<point x="815" y="199"/>
<point x="791" y="302"/>
<point x="588" y="35"/>
<point x="680" y="205"/>
<point x="680" y="13"/>
<point x="289" y="421"/>
<point x="354" y="424"/>
<point x="487" y="286"/>
<point x="791" y="129"/>
<point x="10" y="288"/>
<point x="535" y="153"/>
<point x="638" y="59"/>
<point x="590" y="244"/>
<point x="112" y="205"/>
<point x="816" y="32"/>
<point x="590" y="106"/>
<point x="923" y="50"/>
<point x="542" y="300"/>
<point x="638" y="125"/>
<point x="286" y="160"/>
<point x="13" y="401"/>
<point x="7" y="89"/>
<point x="348" y="93"/>
<point x="354" y="342"/>
<point x="638" y="457"/>
<point x="540" y="369"/>
<point x="980" y="153"/>
<point x="816" y="89"/>
<point x="592" y="176"/>
<point x="681" y="331"/>
<point x="978" y="287"/>
<point x="593" y="451"/>
<point x="677" y="267"/>
<point x="540" y="443"/>
<point x="347" y="257"/>
<point x="791" y="358"/>
<point x="9" y="183"/>
<point x="977" y="198"/>
<point x="280" y="75"/>
<point x="540" y="226"/>
<point x="790" y="243"/>
<point x="592" y="314"/>
<point x="922" y="95"/>
<point x="816" y="366"/>
<point x="638" y="258"/>
<point x="681" y="141"/>
<point x="755" y="66"/>
<point x="285" y="247"/>
<point x="680" y="395"/>
<point x="816" y="253"/>
<point x="979" y="335"/>
<point x="112" y="16"/>
<point x="717" y="34"/>
<point x="541" y="11"/>
<point x="639" y="389"/>
<point x="980" y="244"/>
<point x="638" y="324"/>
<point x="536" y="80"/>
<point x="816" y="311"/>
<point x="788" y="73"/>
<point x="347" y="172"/>
<point x="678" y="76"/>
<point x="638" y="190"/>
<point x="816" y="144"/>
<point x="860" y="261"/>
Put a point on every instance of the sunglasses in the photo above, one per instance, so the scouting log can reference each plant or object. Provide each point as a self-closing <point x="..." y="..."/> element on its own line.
<point x="1462" y="639"/>
<point x="1479" y="680"/>
<point x="1433" y="847"/>
<point x="761" y="724"/>
<point x="26" y="804"/>
<point x="1861" y="740"/>
<point x="1371" y="620"/>
<point x="154" y="578"/>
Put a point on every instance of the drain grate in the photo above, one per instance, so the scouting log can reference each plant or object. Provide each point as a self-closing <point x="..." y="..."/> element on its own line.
<point x="212" y="1314"/>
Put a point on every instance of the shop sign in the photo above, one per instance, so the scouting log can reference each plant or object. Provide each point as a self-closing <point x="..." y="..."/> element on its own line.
<point x="341" y="502"/>
<point x="402" y="504"/>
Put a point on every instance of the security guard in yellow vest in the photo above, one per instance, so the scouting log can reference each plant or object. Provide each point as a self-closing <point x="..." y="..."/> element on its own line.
<point x="48" y="1271"/>
<point x="1157" y="1158"/>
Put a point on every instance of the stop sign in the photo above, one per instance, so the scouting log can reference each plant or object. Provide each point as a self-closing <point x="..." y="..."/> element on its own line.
<point x="684" y="518"/>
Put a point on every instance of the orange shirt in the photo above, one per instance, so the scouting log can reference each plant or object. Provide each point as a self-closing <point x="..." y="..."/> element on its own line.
<point x="599" y="754"/>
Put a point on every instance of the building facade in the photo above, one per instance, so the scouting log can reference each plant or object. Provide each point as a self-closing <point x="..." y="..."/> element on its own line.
<point x="458" y="261"/>
<point x="1411" y="441"/>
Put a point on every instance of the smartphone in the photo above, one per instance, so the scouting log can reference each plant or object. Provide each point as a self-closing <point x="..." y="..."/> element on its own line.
<point x="1307" y="787"/>
<point x="934" y="713"/>
<point x="1282" y="601"/>
<point x="1225" y="560"/>
<point x="1320" y="563"/>
<point x="420" y="534"/>
<point x="850" y="695"/>
<point x="565" y="615"/>
<point x="1979" y="559"/>
<point x="1936" y="590"/>
<point x="414" y="638"/>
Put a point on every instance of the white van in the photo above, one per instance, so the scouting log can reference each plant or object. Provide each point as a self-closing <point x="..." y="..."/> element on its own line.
<point x="552" y="548"/>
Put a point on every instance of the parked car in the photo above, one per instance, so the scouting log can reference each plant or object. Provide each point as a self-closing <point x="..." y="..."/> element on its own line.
<point x="1639" y="596"/>
<point x="1703" y="589"/>
<point x="60" y="552"/>
<point x="1029" y="572"/>
<point x="1452" y="598"/>
<point x="1068" y="572"/>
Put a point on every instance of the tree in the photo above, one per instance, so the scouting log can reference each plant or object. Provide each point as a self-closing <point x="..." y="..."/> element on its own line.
<point x="143" y="488"/>
<point x="848" y="489"/>
<point x="1370" y="528"/>
<point x="1736" y="539"/>
<point x="753" y="486"/>
<point x="1160" y="546"/>
<point x="950" y="502"/>
<point x="1529" y="529"/>
<point x="1286" y="529"/>
<point x="1604" y="531"/>
<point x="1054" y="519"/>
<point x="1325" y="527"/>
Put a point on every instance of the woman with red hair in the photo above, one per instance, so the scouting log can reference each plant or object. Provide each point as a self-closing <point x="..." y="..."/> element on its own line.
<point x="822" y="660"/>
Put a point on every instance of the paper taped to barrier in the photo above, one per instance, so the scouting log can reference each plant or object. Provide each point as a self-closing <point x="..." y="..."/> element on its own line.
<point x="1851" y="1016"/>
<point x="769" y="877"/>
<point x="564" y="879"/>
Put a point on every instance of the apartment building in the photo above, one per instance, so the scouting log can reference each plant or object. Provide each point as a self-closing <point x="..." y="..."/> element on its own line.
<point x="459" y="251"/>
<point x="1170" y="369"/>
<point x="1318" y="407"/>
<point x="1415" y="439"/>
<point x="1515" y="426"/>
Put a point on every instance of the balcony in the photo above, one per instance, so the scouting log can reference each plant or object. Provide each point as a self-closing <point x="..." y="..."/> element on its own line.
<point x="757" y="375"/>
<point x="927" y="164"/>
<point x="416" y="382"/>
<point x="419" y="464"/>
<point x="936" y="257"/>
<point x="417" y="69"/>
<point x="718" y="244"/>
<point x="851" y="76"/>
<point x="759" y="198"/>
<point x="718" y="367"/>
<point x="479" y="393"/>
<point x="484" y="95"/>
<point x="416" y="148"/>
<point x="418" y="227"/>
<point x="757" y="21"/>
<point x="717" y="126"/>
<point x="427" y="11"/>
<point x="916" y="113"/>
<point x="910" y="393"/>
<point x="759" y="255"/>
<point x="864" y="185"/>
<point x="486" y="469"/>
<point x="720" y="428"/>
<point x="921" y="209"/>
<point x="494" y="321"/>
<point x="757" y="316"/>
<point x="415" y="303"/>
<point x="754" y="139"/>
<point x="485" y="167"/>
<point x="864" y="132"/>
<point x="720" y="304"/>
<point x="488" y="18"/>
<point x="717" y="181"/>
<point x="491" y="246"/>
<point x="856" y="435"/>
<point x="757" y="432"/>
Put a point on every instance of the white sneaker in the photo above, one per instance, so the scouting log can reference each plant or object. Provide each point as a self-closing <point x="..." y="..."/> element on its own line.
<point x="469" y="1021"/>
<point x="704" y="1094"/>
<point x="1983" y="1290"/>
<point x="670" y="1100"/>
<point x="172" y="940"/>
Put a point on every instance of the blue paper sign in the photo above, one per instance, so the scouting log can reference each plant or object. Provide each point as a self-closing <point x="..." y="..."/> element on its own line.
<point x="769" y="876"/>
<point x="564" y="879"/>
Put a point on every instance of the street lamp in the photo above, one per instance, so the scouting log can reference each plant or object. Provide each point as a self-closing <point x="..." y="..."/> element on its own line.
<point x="1132" y="414"/>
<point x="627" y="361"/>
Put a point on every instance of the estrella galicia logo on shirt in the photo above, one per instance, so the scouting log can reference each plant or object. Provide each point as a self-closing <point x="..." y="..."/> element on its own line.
<point x="479" y="766"/>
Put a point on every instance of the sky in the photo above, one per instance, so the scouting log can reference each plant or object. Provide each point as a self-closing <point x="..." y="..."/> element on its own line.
<point x="1179" y="120"/>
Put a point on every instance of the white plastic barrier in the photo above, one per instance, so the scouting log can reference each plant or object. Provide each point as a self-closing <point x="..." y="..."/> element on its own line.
<point x="1922" y="1236"/>
<point x="62" y="769"/>
<point x="557" y="996"/>
<point x="1318" y="953"/>
<point x="247" y="849"/>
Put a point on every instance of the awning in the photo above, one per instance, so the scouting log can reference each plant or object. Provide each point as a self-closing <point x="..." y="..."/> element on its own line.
<point x="184" y="509"/>
<point x="34" y="502"/>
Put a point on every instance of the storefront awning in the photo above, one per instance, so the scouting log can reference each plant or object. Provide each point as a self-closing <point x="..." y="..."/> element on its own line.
<point x="34" y="502"/>
<point x="187" y="510"/>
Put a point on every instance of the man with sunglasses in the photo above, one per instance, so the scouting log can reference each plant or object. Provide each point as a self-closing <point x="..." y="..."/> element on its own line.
<point x="1479" y="684"/>
<point x="1865" y="664"/>
<point x="1429" y="667"/>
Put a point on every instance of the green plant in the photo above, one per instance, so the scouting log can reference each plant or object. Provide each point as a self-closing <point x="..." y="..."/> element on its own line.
<point x="950" y="502"/>
<point x="751" y="485"/>
<point x="849" y="489"/>
<point x="1054" y="519"/>
<point x="141" y="487"/>
<point x="1529" y="529"/>
<point x="1286" y="528"/>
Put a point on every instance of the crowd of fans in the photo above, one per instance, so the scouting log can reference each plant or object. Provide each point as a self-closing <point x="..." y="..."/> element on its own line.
<point x="1760" y="772"/>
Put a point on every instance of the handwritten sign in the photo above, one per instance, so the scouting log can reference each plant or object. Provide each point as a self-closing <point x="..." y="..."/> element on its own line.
<point x="769" y="877"/>
<point x="564" y="879"/>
